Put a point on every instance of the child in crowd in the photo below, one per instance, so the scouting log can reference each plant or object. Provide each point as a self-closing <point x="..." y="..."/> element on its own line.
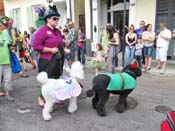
<point x="99" y="58"/>
<point x="138" y="52"/>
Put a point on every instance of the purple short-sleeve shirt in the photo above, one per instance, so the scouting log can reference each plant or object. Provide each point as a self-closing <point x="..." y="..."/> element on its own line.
<point x="46" y="37"/>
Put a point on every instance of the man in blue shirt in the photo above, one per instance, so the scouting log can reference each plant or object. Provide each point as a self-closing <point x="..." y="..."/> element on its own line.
<point x="141" y="29"/>
<point x="139" y="33"/>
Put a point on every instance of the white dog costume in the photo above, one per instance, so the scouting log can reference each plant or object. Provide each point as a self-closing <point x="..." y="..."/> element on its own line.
<point x="55" y="90"/>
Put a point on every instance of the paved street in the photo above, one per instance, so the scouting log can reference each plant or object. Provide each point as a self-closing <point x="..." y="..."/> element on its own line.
<point x="152" y="90"/>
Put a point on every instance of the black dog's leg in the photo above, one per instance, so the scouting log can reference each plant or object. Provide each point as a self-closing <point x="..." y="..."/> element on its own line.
<point x="122" y="102"/>
<point x="103" y="98"/>
<point x="120" y="105"/>
<point x="95" y="101"/>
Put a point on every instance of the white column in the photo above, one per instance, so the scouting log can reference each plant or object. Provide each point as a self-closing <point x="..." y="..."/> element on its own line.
<point x="132" y="12"/>
<point x="112" y="14"/>
<point x="96" y="20"/>
<point x="88" y="18"/>
<point x="68" y="8"/>
<point x="73" y="10"/>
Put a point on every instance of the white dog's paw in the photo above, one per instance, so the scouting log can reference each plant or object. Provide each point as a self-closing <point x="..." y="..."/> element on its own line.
<point x="72" y="109"/>
<point x="47" y="117"/>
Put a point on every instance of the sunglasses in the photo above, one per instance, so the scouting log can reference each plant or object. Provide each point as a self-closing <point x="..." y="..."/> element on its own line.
<point x="55" y="18"/>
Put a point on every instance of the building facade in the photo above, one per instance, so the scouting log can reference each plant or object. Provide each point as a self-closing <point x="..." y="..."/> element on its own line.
<point x="23" y="11"/>
<point x="92" y="15"/>
<point x="101" y="12"/>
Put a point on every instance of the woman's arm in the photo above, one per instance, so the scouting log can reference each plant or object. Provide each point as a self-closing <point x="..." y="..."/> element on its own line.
<point x="144" y="37"/>
<point x="153" y="37"/>
<point x="134" y="40"/>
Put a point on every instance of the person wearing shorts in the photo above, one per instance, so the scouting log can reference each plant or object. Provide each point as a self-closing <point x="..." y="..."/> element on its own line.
<point x="148" y="42"/>
<point x="162" y="47"/>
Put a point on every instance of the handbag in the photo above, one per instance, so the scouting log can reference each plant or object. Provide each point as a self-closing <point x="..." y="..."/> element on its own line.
<point x="15" y="64"/>
<point x="80" y="45"/>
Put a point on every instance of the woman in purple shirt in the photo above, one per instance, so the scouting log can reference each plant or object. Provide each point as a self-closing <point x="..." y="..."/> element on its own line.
<point x="48" y="42"/>
<point x="81" y="46"/>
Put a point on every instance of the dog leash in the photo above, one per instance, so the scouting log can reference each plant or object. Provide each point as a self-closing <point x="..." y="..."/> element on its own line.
<point x="123" y="81"/>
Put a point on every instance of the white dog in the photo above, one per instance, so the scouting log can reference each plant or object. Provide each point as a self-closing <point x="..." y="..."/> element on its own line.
<point x="55" y="90"/>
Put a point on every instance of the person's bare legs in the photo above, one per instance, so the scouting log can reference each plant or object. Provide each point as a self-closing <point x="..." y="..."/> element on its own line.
<point x="158" y="64"/>
<point x="146" y="62"/>
<point x="149" y="63"/>
<point x="41" y="101"/>
<point x="98" y="69"/>
<point x="24" y="64"/>
<point x="163" y="67"/>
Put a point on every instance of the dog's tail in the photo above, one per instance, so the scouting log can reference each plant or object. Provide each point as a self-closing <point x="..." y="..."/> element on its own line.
<point x="42" y="77"/>
<point x="89" y="93"/>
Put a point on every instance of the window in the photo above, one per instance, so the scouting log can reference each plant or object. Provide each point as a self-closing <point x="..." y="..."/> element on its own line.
<point x="31" y="15"/>
<point x="16" y="15"/>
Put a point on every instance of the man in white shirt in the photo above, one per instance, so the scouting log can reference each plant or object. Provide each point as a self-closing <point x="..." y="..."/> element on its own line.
<point x="162" y="46"/>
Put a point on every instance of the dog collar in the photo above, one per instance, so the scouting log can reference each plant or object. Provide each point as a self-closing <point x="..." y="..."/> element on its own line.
<point x="131" y="73"/>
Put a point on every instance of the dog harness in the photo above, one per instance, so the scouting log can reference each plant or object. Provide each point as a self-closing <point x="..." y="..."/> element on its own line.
<point x="121" y="81"/>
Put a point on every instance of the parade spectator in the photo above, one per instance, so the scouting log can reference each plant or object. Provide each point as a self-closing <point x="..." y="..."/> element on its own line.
<point x="139" y="33"/>
<point x="173" y="33"/>
<point x="81" y="46"/>
<point x="140" y="30"/>
<point x="114" y="42"/>
<point x="5" y="67"/>
<point x="34" y="53"/>
<point x="98" y="59"/>
<point x="104" y="41"/>
<point x="130" y="39"/>
<point x="163" y="39"/>
<point x="148" y="42"/>
<point x="66" y="44"/>
<point x="138" y="52"/>
<point x="12" y="31"/>
<point x="48" y="42"/>
<point x="73" y="39"/>
<point x="22" y="51"/>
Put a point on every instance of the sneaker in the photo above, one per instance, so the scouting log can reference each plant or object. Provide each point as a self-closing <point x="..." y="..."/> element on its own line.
<point x="9" y="98"/>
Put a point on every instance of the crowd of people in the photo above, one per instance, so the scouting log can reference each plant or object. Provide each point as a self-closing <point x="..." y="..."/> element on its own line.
<point x="49" y="48"/>
<point x="139" y="44"/>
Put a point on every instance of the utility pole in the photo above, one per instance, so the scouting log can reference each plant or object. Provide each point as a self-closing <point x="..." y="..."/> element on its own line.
<point x="123" y="41"/>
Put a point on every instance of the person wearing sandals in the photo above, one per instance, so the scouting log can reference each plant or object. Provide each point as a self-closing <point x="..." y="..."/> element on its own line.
<point x="162" y="44"/>
<point x="114" y="42"/>
<point x="148" y="42"/>
<point x="131" y="39"/>
<point x="5" y="66"/>
<point x="48" y="42"/>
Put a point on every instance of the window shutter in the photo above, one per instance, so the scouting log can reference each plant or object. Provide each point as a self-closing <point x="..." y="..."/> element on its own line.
<point x="29" y="16"/>
<point x="10" y="13"/>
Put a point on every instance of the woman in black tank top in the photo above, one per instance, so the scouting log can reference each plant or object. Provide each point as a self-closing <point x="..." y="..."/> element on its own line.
<point x="130" y="39"/>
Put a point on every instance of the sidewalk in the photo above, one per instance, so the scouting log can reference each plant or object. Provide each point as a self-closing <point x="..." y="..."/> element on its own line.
<point x="170" y="67"/>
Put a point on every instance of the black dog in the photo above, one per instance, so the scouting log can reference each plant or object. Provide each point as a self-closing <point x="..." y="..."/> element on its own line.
<point x="104" y="84"/>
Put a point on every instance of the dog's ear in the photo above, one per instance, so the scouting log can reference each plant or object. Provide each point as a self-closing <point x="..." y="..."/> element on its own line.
<point x="42" y="77"/>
